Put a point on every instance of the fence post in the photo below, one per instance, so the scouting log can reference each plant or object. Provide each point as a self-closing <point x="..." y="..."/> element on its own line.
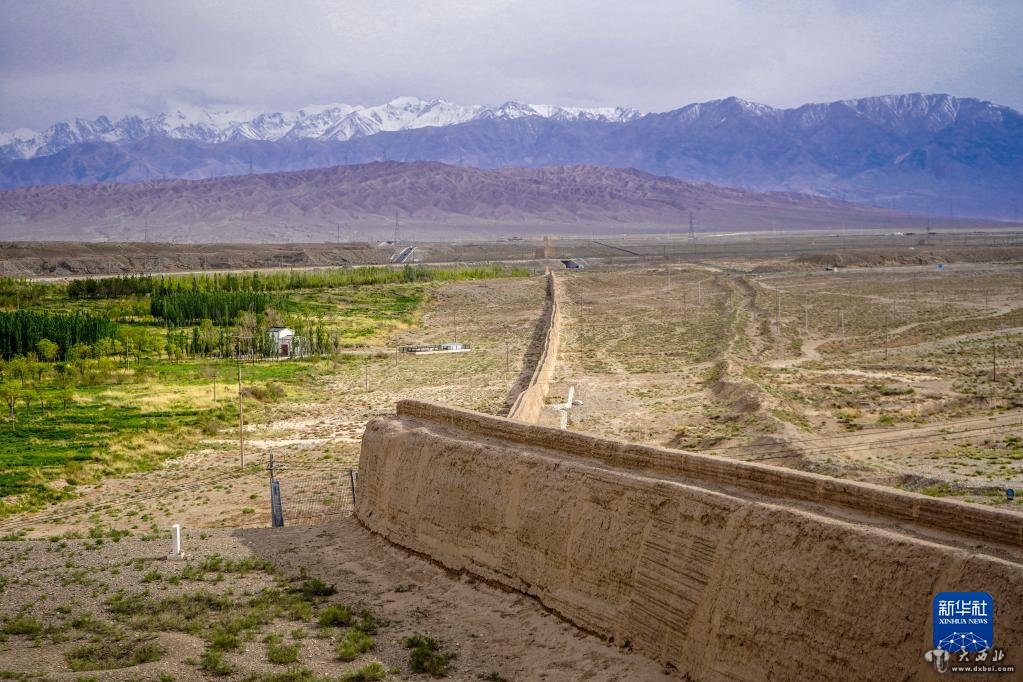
<point x="351" y="479"/>
<point x="276" y="511"/>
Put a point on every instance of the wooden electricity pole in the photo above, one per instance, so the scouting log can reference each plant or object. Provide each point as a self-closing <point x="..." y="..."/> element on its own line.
<point x="886" y="337"/>
<point x="241" y="413"/>
<point x="241" y="403"/>
<point x="994" y="362"/>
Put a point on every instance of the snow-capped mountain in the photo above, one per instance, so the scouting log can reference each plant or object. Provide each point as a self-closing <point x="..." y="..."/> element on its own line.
<point x="336" y="122"/>
<point x="927" y="153"/>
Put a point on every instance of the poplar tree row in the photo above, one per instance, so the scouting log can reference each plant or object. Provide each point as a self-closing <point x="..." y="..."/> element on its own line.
<point x="222" y="308"/>
<point x="162" y="285"/>
<point x="22" y="330"/>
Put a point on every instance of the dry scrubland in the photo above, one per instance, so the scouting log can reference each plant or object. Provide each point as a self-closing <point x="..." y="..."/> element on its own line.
<point x="113" y="537"/>
<point x="689" y="355"/>
<point x="693" y="356"/>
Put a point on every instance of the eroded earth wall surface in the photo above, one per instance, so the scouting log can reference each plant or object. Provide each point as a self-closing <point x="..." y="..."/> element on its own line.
<point x="725" y="570"/>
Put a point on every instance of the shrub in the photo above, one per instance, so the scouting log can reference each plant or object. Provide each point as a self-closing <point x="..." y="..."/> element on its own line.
<point x="426" y="656"/>
<point x="213" y="663"/>
<point x="315" y="588"/>
<point x="352" y="644"/>
<point x="279" y="653"/>
<point x="223" y="639"/>
<point x="111" y="654"/>
<point x="336" y="615"/>
<point x="21" y="624"/>
<point x="371" y="672"/>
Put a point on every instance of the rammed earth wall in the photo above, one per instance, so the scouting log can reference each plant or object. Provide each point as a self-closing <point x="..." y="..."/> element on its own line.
<point x="726" y="570"/>
<point x="530" y="403"/>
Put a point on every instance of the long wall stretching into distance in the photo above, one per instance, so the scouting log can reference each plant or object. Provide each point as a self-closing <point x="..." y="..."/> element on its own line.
<point x="726" y="570"/>
<point x="529" y="405"/>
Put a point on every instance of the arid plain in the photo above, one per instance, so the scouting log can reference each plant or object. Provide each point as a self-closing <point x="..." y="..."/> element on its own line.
<point x="898" y="365"/>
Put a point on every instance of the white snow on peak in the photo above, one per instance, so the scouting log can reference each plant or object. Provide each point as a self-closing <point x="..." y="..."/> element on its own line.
<point x="335" y="121"/>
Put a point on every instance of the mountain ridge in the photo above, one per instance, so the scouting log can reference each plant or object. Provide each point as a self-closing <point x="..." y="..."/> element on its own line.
<point x="430" y="199"/>
<point x="930" y="154"/>
<point x="329" y="122"/>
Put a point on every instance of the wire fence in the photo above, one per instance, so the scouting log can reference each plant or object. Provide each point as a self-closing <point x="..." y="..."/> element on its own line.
<point x="312" y="492"/>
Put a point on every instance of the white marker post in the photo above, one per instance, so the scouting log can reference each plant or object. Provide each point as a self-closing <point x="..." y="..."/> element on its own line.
<point x="563" y="408"/>
<point x="176" y="553"/>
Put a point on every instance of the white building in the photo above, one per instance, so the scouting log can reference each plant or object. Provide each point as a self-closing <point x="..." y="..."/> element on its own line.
<point x="283" y="339"/>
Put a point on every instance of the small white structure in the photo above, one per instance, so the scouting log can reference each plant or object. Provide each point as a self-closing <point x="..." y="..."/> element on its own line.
<point x="283" y="339"/>
<point x="176" y="554"/>
<point x="451" y="347"/>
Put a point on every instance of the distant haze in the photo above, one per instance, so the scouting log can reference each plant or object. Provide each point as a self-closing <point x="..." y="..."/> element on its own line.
<point x="62" y="60"/>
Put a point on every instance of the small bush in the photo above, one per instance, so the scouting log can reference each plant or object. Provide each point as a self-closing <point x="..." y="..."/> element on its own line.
<point x="213" y="663"/>
<point x="289" y="675"/>
<point x="426" y="656"/>
<point x="371" y="672"/>
<point x="367" y="623"/>
<point x="22" y="624"/>
<point x="336" y="615"/>
<point x="279" y="653"/>
<point x="223" y="639"/>
<point x="111" y="654"/>
<point x="353" y="643"/>
<point x="315" y="588"/>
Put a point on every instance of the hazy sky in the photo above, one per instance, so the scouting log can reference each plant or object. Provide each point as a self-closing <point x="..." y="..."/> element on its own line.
<point x="60" y="59"/>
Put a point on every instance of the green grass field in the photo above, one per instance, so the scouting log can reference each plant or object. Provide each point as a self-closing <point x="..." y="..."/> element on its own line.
<point x="72" y="422"/>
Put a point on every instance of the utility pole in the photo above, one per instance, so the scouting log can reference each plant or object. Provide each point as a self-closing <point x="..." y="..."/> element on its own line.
<point x="886" y="336"/>
<point x="841" y="322"/>
<point x="395" y="226"/>
<point x="241" y="403"/>
<point x="241" y="412"/>
<point x="692" y="228"/>
<point x="339" y="233"/>
<point x="994" y="362"/>
<point x="806" y="320"/>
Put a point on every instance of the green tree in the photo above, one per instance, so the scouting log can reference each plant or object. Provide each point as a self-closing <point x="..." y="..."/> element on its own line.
<point x="48" y="350"/>
<point x="10" y="395"/>
<point x="66" y="396"/>
<point x="18" y="368"/>
<point x="207" y="336"/>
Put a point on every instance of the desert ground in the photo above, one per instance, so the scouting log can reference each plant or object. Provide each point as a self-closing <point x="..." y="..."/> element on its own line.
<point x="904" y="376"/>
<point x="887" y="371"/>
